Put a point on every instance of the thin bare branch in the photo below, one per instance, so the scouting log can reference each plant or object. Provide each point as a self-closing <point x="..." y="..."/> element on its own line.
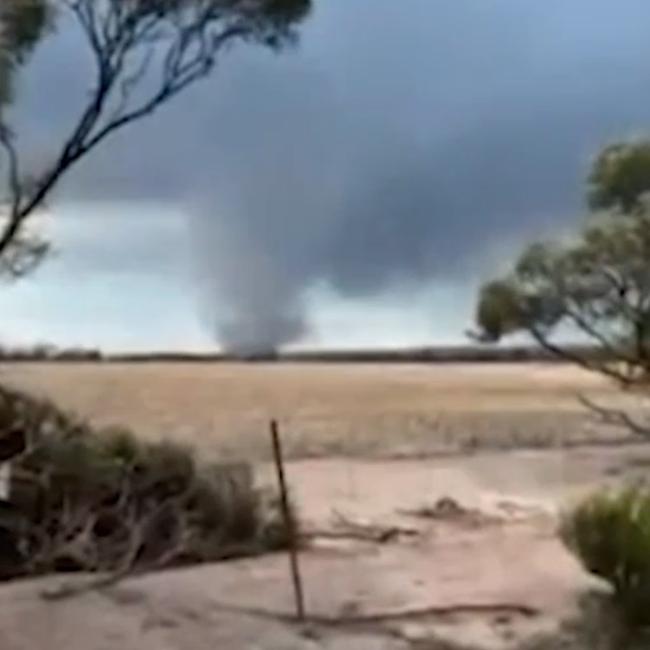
<point x="126" y="38"/>
<point x="588" y="363"/>
<point x="616" y="417"/>
<point x="608" y="346"/>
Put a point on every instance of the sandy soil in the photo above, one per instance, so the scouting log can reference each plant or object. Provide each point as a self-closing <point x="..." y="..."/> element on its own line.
<point x="494" y="580"/>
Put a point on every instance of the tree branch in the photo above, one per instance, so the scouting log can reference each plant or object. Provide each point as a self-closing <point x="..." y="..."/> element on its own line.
<point x="616" y="417"/>
<point x="566" y="353"/>
<point x="183" y="36"/>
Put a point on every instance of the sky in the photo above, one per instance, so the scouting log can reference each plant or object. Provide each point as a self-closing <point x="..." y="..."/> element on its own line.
<point x="354" y="190"/>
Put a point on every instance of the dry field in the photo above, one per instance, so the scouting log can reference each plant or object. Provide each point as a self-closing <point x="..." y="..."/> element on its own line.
<point x="494" y="577"/>
<point x="388" y="410"/>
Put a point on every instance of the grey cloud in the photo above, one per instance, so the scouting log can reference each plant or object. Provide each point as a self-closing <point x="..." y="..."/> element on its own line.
<point x="399" y="142"/>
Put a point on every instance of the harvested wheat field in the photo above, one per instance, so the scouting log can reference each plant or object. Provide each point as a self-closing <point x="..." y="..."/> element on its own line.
<point x="428" y="495"/>
<point x="382" y="410"/>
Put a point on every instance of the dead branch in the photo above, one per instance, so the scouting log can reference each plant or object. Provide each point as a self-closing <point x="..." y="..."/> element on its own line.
<point x="139" y="527"/>
<point x="375" y="536"/>
<point x="441" y="611"/>
<point x="345" y="528"/>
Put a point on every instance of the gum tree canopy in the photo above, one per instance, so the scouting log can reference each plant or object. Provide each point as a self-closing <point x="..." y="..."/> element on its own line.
<point x="596" y="285"/>
<point x="145" y="53"/>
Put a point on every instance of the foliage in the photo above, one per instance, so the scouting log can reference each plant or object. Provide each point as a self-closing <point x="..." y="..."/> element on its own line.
<point x="22" y="25"/>
<point x="610" y="534"/>
<point x="620" y="177"/>
<point x="107" y="501"/>
<point x="596" y="285"/>
<point x="145" y="52"/>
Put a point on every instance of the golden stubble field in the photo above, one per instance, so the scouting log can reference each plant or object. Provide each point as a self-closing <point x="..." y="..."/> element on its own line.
<point x="389" y="410"/>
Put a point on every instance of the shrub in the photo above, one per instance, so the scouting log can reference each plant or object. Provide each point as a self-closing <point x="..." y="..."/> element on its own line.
<point x="107" y="501"/>
<point x="610" y="534"/>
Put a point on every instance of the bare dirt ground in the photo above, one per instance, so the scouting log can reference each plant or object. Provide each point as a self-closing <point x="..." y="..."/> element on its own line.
<point x="468" y="557"/>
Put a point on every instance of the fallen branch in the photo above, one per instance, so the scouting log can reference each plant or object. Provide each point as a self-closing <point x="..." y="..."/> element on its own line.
<point x="441" y="611"/>
<point x="381" y="537"/>
<point x="78" y="587"/>
<point x="346" y="528"/>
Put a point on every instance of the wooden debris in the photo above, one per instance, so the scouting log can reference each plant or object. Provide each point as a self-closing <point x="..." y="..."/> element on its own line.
<point x="346" y="528"/>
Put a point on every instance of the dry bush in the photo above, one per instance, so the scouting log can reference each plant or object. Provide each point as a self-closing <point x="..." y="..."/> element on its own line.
<point x="105" y="501"/>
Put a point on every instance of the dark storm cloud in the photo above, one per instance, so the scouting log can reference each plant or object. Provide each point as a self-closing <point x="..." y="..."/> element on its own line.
<point x="399" y="142"/>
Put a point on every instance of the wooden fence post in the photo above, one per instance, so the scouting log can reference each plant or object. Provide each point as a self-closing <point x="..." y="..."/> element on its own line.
<point x="290" y="524"/>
